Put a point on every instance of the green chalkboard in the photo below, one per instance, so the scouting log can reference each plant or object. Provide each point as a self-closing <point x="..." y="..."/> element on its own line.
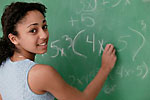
<point x="79" y="31"/>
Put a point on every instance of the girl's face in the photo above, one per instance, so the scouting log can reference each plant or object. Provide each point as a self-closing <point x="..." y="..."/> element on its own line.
<point x="32" y="33"/>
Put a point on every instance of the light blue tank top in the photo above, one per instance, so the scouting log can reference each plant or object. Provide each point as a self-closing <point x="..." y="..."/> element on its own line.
<point x="14" y="83"/>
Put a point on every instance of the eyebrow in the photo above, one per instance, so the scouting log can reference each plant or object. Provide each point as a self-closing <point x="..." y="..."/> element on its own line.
<point x="36" y="23"/>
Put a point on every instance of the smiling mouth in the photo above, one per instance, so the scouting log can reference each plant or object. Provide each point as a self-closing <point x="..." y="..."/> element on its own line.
<point x="42" y="44"/>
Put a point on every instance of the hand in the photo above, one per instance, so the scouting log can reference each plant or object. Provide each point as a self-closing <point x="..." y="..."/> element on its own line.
<point x="109" y="57"/>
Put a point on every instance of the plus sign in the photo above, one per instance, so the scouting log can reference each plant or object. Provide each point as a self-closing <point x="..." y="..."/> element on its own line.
<point x="72" y="21"/>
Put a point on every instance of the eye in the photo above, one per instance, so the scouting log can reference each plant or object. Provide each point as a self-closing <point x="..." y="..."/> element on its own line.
<point x="44" y="27"/>
<point x="33" y="31"/>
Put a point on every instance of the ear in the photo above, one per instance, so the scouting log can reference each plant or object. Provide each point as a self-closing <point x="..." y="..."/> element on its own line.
<point x="13" y="39"/>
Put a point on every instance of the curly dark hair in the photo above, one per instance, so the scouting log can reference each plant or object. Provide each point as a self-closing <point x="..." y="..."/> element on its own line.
<point x="13" y="13"/>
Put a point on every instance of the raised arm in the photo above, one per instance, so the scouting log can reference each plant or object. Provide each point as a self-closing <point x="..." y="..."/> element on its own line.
<point x="108" y="61"/>
<point x="0" y="97"/>
<point x="43" y="78"/>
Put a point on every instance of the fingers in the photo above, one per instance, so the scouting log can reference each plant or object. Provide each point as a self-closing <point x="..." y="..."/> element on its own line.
<point x="114" y="51"/>
<point x="107" y="47"/>
<point x="110" y="49"/>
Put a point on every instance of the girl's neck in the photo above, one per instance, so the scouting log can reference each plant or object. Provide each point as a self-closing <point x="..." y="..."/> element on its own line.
<point x="18" y="56"/>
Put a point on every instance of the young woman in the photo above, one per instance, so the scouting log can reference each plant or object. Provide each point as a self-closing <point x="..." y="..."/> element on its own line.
<point x="25" y="34"/>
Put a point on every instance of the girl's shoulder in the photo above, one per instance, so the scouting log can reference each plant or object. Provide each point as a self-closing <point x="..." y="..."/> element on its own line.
<point x="39" y="76"/>
<point x="40" y="68"/>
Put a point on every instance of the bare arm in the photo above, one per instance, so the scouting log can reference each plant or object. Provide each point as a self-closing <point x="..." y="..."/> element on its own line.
<point x="0" y="97"/>
<point x="45" y="78"/>
<point x="108" y="61"/>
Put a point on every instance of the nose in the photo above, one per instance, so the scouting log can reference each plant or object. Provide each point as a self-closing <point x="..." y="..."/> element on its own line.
<point x="43" y="34"/>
